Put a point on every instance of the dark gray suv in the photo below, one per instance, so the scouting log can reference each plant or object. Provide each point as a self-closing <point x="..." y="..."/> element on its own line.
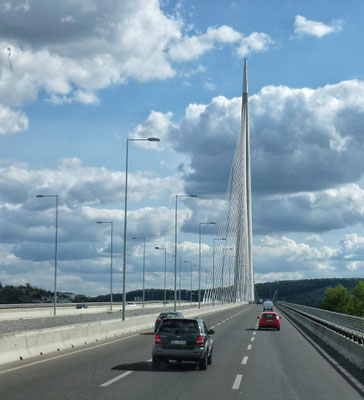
<point x="183" y="339"/>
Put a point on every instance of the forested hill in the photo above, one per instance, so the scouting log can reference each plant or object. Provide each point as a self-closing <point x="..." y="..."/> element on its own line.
<point x="306" y="291"/>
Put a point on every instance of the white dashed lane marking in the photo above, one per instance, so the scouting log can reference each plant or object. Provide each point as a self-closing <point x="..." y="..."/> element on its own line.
<point x="249" y="347"/>
<point x="111" y="381"/>
<point x="245" y="360"/>
<point x="252" y="339"/>
<point x="237" y="382"/>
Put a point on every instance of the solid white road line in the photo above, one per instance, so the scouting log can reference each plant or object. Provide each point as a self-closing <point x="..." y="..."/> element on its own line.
<point x="111" y="381"/>
<point x="237" y="382"/>
<point x="245" y="360"/>
<point x="249" y="347"/>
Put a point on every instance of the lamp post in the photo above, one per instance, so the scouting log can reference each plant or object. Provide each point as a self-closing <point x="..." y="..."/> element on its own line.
<point x="191" y="280"/>
<point x="199" y="259"/>
<point x="143" y="238"/>
<point x="55" y="249"/>
<point x="165" y="272"/>
<point x="175" y="291"/>
<point x="175" y="246"/>
<point x="151" y="139"/>
<point x="213" y="270"/>
<point x="111" y="247"/>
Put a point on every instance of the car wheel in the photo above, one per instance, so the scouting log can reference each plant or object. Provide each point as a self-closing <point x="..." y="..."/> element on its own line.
<point x="203" y="363"/>
<point x="278" y="329"/>
<point x="209" y="359"/>
<point x="156" y="362"/>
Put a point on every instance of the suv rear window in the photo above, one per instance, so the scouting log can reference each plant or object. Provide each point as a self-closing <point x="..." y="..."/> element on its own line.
<point x="269" y="315"/>
<point x="183" y="326"/>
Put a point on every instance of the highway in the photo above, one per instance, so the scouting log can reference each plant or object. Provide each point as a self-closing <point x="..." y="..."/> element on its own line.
<point x="247" y="364"/>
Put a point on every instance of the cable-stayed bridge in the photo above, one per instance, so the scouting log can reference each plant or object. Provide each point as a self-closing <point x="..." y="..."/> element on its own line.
<point x="231" y="278"/>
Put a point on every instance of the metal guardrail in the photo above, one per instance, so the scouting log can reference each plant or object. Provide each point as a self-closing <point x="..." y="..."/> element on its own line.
<point x="348" y="325"/>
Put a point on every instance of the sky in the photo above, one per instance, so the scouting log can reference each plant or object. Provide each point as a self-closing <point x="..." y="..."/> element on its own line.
<point x="79" y="78"/>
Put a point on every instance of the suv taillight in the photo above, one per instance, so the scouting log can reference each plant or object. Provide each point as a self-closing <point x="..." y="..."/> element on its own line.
<point x="200" y="341"/>
<point x="157" y="339"/>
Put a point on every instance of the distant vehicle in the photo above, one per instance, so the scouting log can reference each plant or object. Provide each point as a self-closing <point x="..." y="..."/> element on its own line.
<point x="269" y="319"/>
<point x="81" y="306"/>
<point x="183" y="339"/>
<point x="163" y="315"/>
<point x="267" y="305"/>
<point x="131" y="304"/>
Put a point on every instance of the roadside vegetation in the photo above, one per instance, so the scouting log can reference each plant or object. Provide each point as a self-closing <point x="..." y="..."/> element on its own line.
<point x="309" y="292"/>
<point x="339" y="299"/>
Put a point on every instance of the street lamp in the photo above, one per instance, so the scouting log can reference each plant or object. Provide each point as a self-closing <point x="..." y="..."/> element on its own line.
<point x="142" y="238"/>
<point x="151" y="139"/>
<point x="111" y="247"/>
<point x="165" y="272"/>
<point x="175" y="291"/>
<point x="191" y="280"/>
<point x="199" y="259"/>
<point x="213" y="270"/>
<point x="55" y="249"/>
<point x="175" y="246"/>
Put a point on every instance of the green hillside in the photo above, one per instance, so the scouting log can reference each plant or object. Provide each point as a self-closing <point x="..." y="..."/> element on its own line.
<point x="309" y="292"/>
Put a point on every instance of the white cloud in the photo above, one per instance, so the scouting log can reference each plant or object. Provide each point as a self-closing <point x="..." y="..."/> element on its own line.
<point x="302" y="140"/>
<point x="156" y="125"/>
<point x="81" y="185"/>
<point x="12" y="121"/>
<point x="304" y="26"/>
<point x="110" y="44"/>
<point x="295" y="260"/>
<point x="190" y="48"/>
<point x="255" y="42"/>
<point x="355" y="266"/>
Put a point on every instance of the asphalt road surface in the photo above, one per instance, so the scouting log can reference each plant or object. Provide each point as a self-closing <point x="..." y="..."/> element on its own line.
<point x="247" y="364"/>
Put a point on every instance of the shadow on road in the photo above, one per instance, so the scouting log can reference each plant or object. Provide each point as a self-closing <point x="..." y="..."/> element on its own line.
<point x="147" y="366"/>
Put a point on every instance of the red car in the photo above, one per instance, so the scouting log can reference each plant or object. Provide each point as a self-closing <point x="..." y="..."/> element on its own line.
<point x="269" y="319"/>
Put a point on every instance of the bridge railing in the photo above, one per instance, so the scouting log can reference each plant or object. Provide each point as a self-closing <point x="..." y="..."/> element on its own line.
<point x="342" y="323"/>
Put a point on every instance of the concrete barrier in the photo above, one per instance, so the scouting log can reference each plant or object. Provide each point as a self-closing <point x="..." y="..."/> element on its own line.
<point x="352" y="351"/>
<point x="21" y="346"/>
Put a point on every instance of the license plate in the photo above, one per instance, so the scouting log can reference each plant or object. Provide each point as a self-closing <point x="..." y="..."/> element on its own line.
<point x="178" y="342"/>
<point x="269" y="320"/>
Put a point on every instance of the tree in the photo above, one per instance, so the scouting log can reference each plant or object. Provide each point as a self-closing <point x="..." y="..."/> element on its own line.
<point x="336" y="299"/>
<point x="356" y="303"/>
